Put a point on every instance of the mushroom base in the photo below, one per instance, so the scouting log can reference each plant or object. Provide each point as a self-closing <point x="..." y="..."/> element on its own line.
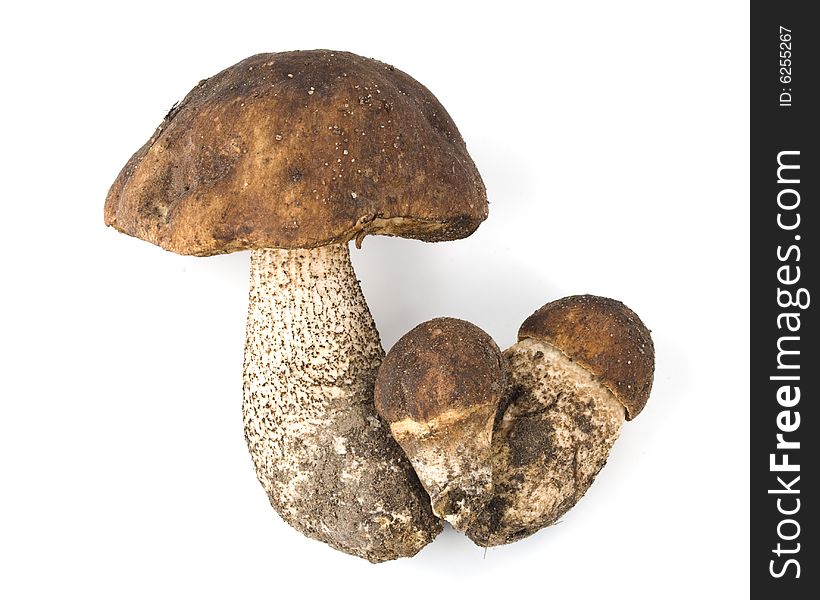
<point x="324" y="457"/>
<point x="451" y="455"/>
<point x="552" y="436"/>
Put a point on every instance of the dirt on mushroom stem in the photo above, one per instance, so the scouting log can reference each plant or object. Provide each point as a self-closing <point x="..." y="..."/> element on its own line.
<point x="322" y="454"/>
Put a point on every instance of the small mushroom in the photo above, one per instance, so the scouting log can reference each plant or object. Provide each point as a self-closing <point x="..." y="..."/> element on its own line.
<point x="291" y="156"/>
<point x="439" y="389"/>
<point x="581" y="366"/>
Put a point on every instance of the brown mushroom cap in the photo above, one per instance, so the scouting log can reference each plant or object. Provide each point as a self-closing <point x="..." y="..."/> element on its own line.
<point x="604" y="336"/>
<point x="440" y="366"/>
<point x="299" y="150"/>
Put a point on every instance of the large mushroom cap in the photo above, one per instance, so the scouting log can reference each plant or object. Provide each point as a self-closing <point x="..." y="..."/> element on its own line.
<point x="604" y="336"/>
<point x="298" y="150"/>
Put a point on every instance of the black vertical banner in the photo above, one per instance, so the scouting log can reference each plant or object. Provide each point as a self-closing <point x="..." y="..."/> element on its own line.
<point x="785" y="437"/>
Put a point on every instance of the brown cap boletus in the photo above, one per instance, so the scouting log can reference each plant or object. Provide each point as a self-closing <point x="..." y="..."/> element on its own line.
<point x="439" y="389"/>
<point x="581" y="366"/>
<point x="291" y="156"/>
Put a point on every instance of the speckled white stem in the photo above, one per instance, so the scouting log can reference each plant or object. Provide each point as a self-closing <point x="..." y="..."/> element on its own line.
<point x="325" y="459"/>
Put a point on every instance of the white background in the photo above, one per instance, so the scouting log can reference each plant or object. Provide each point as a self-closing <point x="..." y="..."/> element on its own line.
<point x="613" y="140"/>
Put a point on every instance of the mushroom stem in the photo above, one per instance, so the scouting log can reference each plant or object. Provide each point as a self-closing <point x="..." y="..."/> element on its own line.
<point x="552" y="436"/>
<point x="325" y="459"/>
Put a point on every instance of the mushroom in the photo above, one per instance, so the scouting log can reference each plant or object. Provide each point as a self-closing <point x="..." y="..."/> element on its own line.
<point x="439" y="389"/>
<point x="291" y="156"/>
<point x="581" y="366"/>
